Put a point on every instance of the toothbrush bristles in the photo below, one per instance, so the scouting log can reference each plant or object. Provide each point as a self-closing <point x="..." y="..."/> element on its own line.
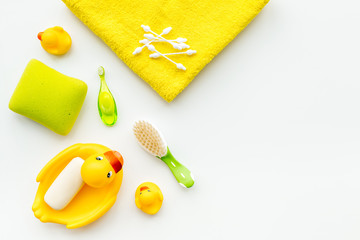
<point x="101" y="71"/>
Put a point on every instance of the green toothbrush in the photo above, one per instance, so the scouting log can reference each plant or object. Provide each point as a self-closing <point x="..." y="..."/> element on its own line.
<point x="153" y="142"/>
<point x="106" y="101"/>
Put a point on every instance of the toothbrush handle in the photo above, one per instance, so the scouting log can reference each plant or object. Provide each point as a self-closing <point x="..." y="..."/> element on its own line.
<point x="181" y="173"/>
<point x="106" y="104"/>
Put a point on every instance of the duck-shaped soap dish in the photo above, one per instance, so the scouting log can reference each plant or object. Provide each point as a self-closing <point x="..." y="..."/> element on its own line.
<point x="78" y="185"/>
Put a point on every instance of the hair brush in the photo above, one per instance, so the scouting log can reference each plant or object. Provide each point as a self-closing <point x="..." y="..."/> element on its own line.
<point x="153" y="142"/>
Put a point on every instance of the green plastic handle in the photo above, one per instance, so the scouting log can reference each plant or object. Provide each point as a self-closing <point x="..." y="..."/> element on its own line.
<point x="106" y="104"/>
<point x="181" y="173"/>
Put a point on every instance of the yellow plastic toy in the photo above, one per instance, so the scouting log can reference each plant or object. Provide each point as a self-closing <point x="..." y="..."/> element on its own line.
<point x="55" y="40"/>
<point x="148" y="198"/>
<point x="101" y="173"/>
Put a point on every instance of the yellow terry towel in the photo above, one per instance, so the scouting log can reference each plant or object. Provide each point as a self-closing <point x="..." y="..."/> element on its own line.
<point x="208" y="26"/>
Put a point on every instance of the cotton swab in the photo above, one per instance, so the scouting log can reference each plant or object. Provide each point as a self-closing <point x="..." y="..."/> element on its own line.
<point x="188" y="52"/>
<point x="153" y="37"/>
<point x="165" y="31"/>
<point x="145" y="42"/>
<point x="178" y="65"/>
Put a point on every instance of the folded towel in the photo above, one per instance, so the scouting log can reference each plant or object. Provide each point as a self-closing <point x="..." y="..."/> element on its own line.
<point x="208" y="26"/>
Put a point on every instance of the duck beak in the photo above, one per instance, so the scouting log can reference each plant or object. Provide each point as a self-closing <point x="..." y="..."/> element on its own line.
<point x="39" y="35"/>
<point x="115" y="159"/>
<point x="119" y="157"/>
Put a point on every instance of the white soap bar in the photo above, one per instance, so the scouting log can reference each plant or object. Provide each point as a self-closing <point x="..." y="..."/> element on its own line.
<point x="66" y="185"/>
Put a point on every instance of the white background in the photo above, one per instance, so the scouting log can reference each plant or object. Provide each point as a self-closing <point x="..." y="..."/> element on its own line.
<point x="270" y="129"/>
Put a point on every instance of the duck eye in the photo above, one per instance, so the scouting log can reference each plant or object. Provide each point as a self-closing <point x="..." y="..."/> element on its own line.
<point x="148" y="190"/>
<point x="109" y="174"/>
<point x="99" y="158"/>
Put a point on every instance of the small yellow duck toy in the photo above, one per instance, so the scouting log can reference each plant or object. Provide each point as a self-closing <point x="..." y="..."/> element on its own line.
<point x="55" y="40"/>
<point x="78" y="185"/>
<point x="148" y="198"/>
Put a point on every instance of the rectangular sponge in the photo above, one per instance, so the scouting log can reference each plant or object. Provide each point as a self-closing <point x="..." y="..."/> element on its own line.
<point x="48" y="97"/>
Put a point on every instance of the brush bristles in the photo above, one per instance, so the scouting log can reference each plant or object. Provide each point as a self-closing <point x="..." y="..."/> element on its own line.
<point x="150" y="139"/>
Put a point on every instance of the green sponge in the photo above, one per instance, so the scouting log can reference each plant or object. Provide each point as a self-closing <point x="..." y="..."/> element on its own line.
<point x="48" y="97"/>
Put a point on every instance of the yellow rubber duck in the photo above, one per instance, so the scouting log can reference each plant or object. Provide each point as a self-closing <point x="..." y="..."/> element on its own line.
<point x="55" y="40"/>
<point x="101" y="172"/>
<point x="148" y="198"/>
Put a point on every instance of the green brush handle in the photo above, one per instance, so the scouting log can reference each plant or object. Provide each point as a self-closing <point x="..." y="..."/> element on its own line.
<point x="181" y="173"/>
